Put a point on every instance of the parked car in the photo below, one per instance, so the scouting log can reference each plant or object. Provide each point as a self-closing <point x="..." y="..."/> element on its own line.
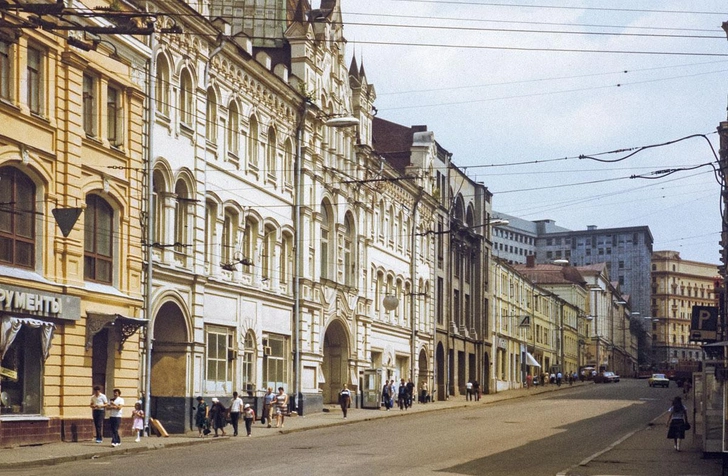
<point x="658" y="380"/>
<point x="606" y="377"/>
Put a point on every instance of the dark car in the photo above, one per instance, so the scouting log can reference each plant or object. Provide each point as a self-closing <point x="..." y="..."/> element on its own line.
<point x="606" y="377"/>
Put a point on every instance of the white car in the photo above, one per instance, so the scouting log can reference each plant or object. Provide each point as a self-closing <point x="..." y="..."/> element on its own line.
<point x="658" y="380"/>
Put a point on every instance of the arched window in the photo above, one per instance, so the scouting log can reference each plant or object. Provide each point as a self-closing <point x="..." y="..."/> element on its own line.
<point x="349" y="252"/>
<point x="286" y="259"/>
<point x="98" y="240"/>
<point x="211" y="117"/>
<point x="186" y="98"/>
<point x="210" y="225"/>
<point x="233" y="129"/>
<point x="324" y="246"/>
<point x="249" y="241"/>
<point x="229" y="232"/>
<point x="158" y="191"/>
<point x="162" y="86"/>
<point x="17" y="218"/>
<point x="253" y="142"/>
<point x="272" y="153"/>
<point x="249" y="361"/>
<point x="288" y="162"/>
<point x="181" y="217"/>
<point x="268" y="252"/>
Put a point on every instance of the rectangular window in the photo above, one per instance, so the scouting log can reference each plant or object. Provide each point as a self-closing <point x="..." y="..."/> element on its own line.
<point x="6" y="68"/>
<point x="440" y="303"/>
<point x="89" y="105"/>
<point x="113" y="115"/>
<point x="219" y="360"/>
<point x="275" y="362"/>
<point x="35" y="80"/>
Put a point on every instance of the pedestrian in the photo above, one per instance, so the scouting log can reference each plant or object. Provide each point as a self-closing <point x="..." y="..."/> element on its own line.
<point x="410" y="393"/>
<point x="544" y="380"/>
<point x="281" y="404"/>
<point x="202" y="421"/>
<point x="387" y="396"/>
<point x="217" y="417"/>
<point x="529" y="381"/>
<point x="116" y="404"/>
<point x="345" y="400"/>
<point x="469" y="390"/>
<point x="235" y="406"/>
<point x="677" y="422"/>
<point x="687" y="386"/>
<point x="402" y="395"/>
<point x="423" y="392"/>
<point x="559" y="377"/>
<point x="392" y="390"/>
<point x="249" y="418"/>
<point x="268" y="404"/>
<point x="98" y="406"/>
<point x="137" y="421"/>
<point x="476" y="390"/>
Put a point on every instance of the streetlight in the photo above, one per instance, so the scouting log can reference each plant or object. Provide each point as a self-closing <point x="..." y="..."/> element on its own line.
<point x="331" y="120"/>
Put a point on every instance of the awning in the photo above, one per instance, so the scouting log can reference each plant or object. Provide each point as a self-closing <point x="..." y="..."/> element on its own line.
<point x="531" y="361"/>
<point x="10" y="326"/>
<point x="126" y="326"/>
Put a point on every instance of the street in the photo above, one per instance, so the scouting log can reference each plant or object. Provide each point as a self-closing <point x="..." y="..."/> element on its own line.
<point x="543" y="434"/>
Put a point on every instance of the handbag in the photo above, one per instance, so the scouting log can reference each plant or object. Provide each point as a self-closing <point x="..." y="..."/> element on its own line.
<point x="687" y="426"/>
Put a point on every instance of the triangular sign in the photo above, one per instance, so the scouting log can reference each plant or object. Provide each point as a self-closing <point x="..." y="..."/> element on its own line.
<point x="525" y="322"/>
<point x="66" y="218"/>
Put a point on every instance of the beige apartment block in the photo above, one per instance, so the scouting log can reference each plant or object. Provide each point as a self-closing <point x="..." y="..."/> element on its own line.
<point x="678" y="285"/>
<point x="70" y="160"/>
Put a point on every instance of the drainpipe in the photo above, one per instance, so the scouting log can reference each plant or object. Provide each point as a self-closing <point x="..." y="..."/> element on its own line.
<point x="149" y="289"/>
<point x="413" y="294"/>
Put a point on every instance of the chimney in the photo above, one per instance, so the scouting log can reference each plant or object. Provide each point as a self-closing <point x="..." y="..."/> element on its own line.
<point x="531" y="261"/>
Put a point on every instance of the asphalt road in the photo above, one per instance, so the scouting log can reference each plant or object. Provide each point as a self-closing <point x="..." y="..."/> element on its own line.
<point x="541" y="435"/>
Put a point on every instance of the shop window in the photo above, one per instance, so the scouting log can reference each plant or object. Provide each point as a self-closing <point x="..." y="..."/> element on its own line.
<point x="98" y="241"/>
<point x="24" y="347"/>
<point x="17" y="218"/>
<point x="275" y="363"/>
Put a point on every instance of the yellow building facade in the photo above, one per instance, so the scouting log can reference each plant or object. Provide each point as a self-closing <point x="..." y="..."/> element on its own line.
<point x="71" y="175"/>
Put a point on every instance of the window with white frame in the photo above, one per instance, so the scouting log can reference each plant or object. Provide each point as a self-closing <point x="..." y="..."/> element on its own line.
<point x="324" y="250"/>
<point x="162" y="86"/>
<point x="286" y="258"/>
<point x="253" y="143"/>
<point x="249" y="359"/>
<point x="288" y="162"/>
<point x="210" y="225"/>
<point x="233" y="128"/>
<point x="186" y="99"/>
<point x="220" y="359"/>
<point x="272" y="153"/>
<point x="181" y="217"/>
<point x="158" y="192"/>
<point x="211" y="117"/>
<point x="35" y="80"/>
<point x="229" y="232"/>
<point x="249" y="241"/>
<point x="349" y="254"/>
<point x="98" y="242"/>
<point x="268" y="252"/>
<point x="275" y="361"/>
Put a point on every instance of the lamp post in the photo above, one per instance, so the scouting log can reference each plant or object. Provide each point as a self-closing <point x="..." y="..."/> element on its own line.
<point x="336" y="121"/>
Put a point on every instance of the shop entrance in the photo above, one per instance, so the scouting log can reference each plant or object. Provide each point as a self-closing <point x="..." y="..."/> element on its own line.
<point x="336" y="361"/>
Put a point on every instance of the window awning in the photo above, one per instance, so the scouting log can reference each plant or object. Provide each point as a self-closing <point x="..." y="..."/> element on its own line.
<point x="10" y="326"/>
<point x="96" y="322"/>
<point x="530" y="360"/>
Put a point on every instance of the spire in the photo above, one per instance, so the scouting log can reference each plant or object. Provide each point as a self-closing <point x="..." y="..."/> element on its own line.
<point x="354" y="69"/>
<point x="362" y="73"/>
<point x="299" y="16"/>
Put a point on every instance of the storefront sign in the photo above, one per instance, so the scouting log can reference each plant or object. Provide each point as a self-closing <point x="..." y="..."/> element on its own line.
<point x="11" y="374"/>
<point x="25" y="301"/>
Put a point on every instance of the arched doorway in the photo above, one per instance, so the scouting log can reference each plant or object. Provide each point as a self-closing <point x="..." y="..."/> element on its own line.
<point x="440" y="394"/>
<point x="170" y="403"/>
<point x="336" y="361"/>
<point x="423" y="375"/>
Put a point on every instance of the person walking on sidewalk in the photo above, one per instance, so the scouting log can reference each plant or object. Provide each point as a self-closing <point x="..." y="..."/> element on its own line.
<point x="677" y="422"/>
<point x="387" y="395"/>
<point x="201" y="418"/>
<point x="345" y="400"/>
<point x="469" y="390"/>
<point x="268" y="404"/>
<point x="402" y="395"/>
<point x="98" y="406"/>
<point x="476" y="390"/>
<point x="249" y="417"/>
<point x="281" y="403"/>
<point x="217" y="416"/>
<point x="235" y="406"/>
<point x="115" y="417"/>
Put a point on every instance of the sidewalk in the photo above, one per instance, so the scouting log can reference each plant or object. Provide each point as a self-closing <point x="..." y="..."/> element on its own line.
<point x="636" y="451"/>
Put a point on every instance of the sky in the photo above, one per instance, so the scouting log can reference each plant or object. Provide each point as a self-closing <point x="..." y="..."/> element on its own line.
<point x="526" y="94"/>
